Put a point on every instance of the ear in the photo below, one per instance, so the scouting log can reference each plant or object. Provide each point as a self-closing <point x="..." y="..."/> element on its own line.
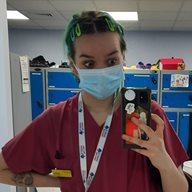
<point x="73" y="69"/>
<point x="124" y="64"/>
<point x="72" y="66"/>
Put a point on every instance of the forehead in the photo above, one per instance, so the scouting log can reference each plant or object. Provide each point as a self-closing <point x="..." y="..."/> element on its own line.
<point x="97" y="42"/>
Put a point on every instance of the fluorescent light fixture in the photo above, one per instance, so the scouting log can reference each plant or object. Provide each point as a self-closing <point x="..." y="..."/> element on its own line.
<point x="124" y="16"/>
<point x="15" y="15"/>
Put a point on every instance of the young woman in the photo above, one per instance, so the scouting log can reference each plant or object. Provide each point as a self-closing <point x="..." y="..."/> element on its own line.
<point x="80" y="140"/>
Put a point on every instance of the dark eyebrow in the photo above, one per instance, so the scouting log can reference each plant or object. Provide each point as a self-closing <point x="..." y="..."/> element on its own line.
<point x="91" y="57"/>
<point x="112" y="53"/>
<point x="87" y="56"/>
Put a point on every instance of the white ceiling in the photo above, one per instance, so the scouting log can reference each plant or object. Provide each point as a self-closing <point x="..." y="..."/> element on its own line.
<point x="154" y="15"/>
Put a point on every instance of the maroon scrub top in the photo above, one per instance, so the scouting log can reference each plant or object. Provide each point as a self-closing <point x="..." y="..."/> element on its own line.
<point x="51" y="141"/>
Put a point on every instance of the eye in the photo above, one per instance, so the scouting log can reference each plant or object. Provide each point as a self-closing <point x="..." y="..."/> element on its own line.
<point x="113" y="61"/>
<point x="89" y="64"/>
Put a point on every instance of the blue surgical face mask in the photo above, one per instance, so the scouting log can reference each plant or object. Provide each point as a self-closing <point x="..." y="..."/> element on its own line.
<point x="101" y="83"/>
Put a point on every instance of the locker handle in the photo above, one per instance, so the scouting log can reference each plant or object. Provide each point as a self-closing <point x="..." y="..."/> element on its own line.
<point x="190" y="97"/>
<point x="154" y="80"/>
<point x="39" y="104"/>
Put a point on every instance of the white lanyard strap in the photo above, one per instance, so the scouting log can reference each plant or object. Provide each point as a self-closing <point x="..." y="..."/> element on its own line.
<point x="87" y="180"/>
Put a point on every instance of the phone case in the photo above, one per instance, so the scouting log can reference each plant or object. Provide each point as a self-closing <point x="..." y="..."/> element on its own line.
<point x="136" y="102"/>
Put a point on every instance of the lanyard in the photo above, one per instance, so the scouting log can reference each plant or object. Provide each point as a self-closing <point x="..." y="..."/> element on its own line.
<point x="87" y="180"/>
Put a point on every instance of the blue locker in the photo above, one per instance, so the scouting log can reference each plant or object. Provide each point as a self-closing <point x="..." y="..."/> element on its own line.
<point x="141" y="80"/>
<point x="37" y="93"/>
<point x="56" y="96"/>
<point x="61" y="79"/>
<point x="177" y="99"/>
<point x="172" y="116"/>
<point x="183" y="132"/>
<point x="166" y="83"/>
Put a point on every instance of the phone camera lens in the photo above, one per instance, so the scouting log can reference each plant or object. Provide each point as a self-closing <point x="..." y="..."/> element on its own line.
<point x="143" y="97"/>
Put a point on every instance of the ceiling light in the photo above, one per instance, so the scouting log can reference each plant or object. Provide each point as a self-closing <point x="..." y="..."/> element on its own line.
<point x="15" y="15"/>
<point x="124" y="16"/>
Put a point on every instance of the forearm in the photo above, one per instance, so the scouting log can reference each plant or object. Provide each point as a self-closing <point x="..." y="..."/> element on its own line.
<point x="28" y="179"/>
<point x="173" y="180"/>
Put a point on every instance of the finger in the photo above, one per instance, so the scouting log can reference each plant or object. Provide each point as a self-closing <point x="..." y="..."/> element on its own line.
<point x="159" y="124"/>
<point x="143" y="126"/>
<point x="139" y="142"/>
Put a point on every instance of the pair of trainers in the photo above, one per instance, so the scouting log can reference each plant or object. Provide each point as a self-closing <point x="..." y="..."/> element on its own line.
<point x="141" y="65"/>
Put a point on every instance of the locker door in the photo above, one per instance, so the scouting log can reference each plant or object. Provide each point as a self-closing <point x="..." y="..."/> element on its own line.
<point x="56" y="96"/>
<point x="61" y="80"/>
<point x="166" y="83"/>
<point x="37" y="93"/>
<point x="172" y="116"/>
<point x="141" y="80"/>
<point x="177" y="99"/>
<point x="183" y="132"/>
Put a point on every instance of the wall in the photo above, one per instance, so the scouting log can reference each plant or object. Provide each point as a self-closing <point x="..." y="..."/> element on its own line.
<point x="33" y="43"/>
<point x="6" y="120"/>
<point x="142" y="46"/>
<point x="150" y="46"/>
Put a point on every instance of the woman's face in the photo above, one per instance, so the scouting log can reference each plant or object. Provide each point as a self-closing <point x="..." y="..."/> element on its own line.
<point x="98" y="50"/>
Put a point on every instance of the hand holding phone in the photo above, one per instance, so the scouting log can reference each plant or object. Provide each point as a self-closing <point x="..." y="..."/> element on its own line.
<point x="136" y="102"/>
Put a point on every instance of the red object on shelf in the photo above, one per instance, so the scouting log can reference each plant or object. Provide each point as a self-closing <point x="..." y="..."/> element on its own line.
<point x="171" y="64"/>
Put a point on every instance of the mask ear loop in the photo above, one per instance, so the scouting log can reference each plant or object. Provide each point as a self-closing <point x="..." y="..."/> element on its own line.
<point x="117" y="94"/>
<point x="117" y="97"/>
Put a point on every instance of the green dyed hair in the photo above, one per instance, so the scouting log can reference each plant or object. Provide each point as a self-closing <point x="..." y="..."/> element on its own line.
<point x="90" y="22"/>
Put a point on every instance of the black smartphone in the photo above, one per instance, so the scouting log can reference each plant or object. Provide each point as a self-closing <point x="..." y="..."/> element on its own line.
<point x="136" y="102"/>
